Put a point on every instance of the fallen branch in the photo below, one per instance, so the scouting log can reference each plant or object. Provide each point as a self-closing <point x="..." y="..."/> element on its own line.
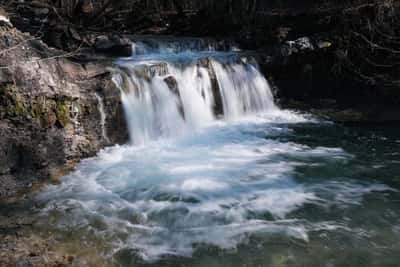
<point x="18" y="45"/>
<point x="374" y="45"/>
<point x="66" y="55"/>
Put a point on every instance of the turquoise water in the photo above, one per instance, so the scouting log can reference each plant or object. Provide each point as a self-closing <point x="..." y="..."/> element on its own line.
<point x="276" y="190"/>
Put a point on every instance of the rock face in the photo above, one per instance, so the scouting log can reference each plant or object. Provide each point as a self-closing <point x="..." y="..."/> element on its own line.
<point x="49" y="111"/>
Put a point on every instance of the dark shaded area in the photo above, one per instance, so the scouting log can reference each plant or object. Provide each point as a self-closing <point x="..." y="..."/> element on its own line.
<point x="354" y="58"/>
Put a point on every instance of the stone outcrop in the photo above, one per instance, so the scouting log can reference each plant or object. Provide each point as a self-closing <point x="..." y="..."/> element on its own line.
<point x="49" y="111"/>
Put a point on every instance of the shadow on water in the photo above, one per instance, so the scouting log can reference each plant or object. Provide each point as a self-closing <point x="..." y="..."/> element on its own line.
<point x="375" y="150"/>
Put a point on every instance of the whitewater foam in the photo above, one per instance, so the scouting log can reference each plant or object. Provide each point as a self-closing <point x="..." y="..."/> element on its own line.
<point x="217" y="186"/>
<point x="166" y="99"/>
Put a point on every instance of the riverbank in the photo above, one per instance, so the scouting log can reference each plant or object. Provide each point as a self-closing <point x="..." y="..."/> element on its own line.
<point x="25" y="244"/>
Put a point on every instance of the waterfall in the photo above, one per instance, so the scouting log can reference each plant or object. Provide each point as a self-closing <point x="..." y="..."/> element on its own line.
<point x="164" y="45"/>
<point x="229" y="180"/>
<point x="169" y="94"/>
<point x="100" y="107"/>
<point x="243" y="89"/>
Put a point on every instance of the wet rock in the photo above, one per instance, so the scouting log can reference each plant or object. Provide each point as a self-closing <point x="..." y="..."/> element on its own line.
<point x="324" y="44"/>
<point x="149" y="71"/>
<point x="218" y="107"/>
<point x="113" y="45"/>
<point x="41" y="11"/>
<point x="172" y="85"/>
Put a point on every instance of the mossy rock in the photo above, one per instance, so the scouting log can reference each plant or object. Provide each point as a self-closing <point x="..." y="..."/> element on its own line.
<point x="40" y="110"/>
<point x="63" y="112"/>
<point x="43" y="111"/>
<point x="13" y="101"/>
<point x="281" y="260"/>
<point x="20" y="108"/>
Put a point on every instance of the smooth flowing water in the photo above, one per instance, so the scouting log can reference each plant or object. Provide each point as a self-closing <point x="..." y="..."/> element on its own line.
<point x="217" y="175"/>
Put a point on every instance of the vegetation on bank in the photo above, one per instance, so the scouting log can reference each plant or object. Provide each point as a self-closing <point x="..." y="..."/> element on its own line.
<point x="372" y="52"/>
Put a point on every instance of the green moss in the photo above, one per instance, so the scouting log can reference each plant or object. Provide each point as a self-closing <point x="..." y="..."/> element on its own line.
<point x="41" y="110"/>
<point x="62" y="112"/>
<point x="20" y="107"/>
<point x="15" y="105"/>
<point x="280" y="260"/>
<point x="36" y="109"/>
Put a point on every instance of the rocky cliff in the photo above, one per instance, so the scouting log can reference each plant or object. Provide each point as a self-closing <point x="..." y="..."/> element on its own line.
<point x="50" y="111"/>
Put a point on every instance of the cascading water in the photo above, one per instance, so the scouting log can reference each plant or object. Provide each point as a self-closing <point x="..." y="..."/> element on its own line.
<point x="100" y="106"/>
<point x="143" y="45"/>
<point x="243" y="89"/>
<point x="216" y="171"/>
<point x="164" y="99"/>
